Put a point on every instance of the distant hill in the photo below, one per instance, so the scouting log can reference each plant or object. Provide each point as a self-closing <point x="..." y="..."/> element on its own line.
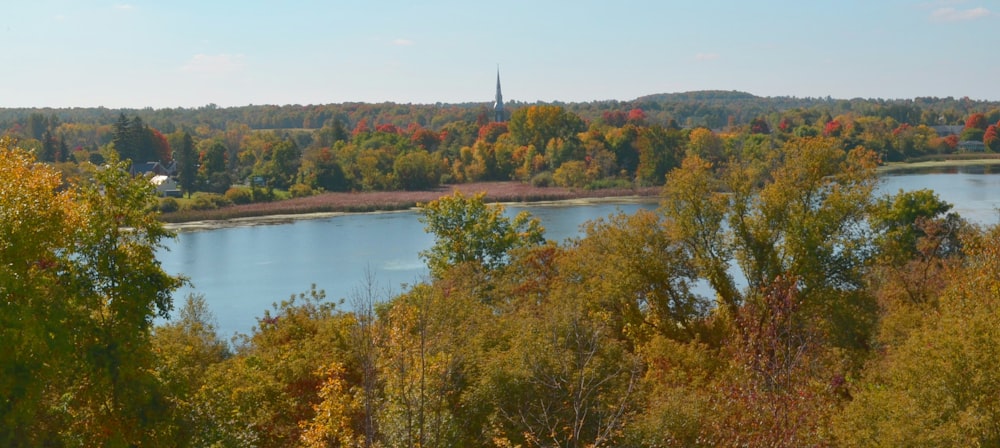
<point x="706" y="96"/>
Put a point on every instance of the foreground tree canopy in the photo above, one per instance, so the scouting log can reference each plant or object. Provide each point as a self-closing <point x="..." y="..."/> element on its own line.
<point x="772" y="300"/>
<point x="79" y="288"/>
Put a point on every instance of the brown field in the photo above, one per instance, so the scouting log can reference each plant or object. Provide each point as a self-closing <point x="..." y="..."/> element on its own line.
<point x="399" y="200"/>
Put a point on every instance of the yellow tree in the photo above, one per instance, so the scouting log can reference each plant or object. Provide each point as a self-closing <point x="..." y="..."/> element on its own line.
<point x="36" y="218"/>
<point x="81" y="284"/>
<point x="937" y="384"/>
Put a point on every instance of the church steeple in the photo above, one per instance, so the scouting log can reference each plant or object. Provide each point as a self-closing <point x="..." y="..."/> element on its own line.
<point x="498" y="112"/>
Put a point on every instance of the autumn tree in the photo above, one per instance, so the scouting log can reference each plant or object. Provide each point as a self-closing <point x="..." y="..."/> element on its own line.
<point x="81" y="284"/>
<point x="114" y="398"/>
<point x="186" y="348"/>
<point x="933" y="385"/>
<point x="36" y="218"/>
<point x="991" y="138"/>
<point x="540" y="125"/>
<point x="640" y="279"/>
<point x="416" y="170"/>
<point x="287" y="382"/>
<point x="804" y="217"/>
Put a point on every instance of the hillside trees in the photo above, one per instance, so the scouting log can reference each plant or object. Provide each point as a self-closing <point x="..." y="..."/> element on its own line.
<point x="136" y="141"/>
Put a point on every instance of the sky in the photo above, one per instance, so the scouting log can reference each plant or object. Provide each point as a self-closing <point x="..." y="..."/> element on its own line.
<point x="191" y="53"/>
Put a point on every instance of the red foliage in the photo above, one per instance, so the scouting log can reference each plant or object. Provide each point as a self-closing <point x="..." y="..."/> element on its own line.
<point x="360" y="128"/>
<point x="784" y="125"/>
<point x="991" y="138"/>
<point x="614" y="118"/>
<point x="833" y="128"/>
<point x="636" y="116"/>
<point x="426" y="138"/>
<point x="387" y="128"/>
<point x="492" y="131"/>
<point x="160" y="146"/>
<point x="759" y="126"/>
<point x="976" y="121"/>
<point x="900" y="129"/>
<point x="951" y="141"/>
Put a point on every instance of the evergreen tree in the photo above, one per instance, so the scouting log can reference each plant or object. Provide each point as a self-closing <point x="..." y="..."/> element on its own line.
<point x="123" y="138"/>
<point x="187" y="169"/>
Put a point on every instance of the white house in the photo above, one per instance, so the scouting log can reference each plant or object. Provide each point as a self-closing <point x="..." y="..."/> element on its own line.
<point x="165" y="186"/>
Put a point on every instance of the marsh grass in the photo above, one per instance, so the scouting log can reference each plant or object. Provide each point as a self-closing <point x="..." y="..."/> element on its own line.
<point x="400" y="200"/>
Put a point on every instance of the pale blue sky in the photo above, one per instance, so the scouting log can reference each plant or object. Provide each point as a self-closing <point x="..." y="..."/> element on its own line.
<point x="189" y="53"/>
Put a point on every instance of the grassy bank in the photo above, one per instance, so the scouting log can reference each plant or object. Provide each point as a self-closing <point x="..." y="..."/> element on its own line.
<point x="399" y="200"/>
<point x="942" y="161"/>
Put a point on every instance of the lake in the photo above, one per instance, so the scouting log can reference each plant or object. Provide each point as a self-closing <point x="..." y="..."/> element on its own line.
<point x="243" y="270"/>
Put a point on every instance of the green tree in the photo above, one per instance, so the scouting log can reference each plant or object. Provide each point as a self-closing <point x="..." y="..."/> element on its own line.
<point x="119" y="287"/>
<point x="186" y="348"/>
<point x="467" y="230"/>
<point x="80" y="286"/>
<point x="660" y="151"/>
<point x="805" y="217"/>
<point x="416" y="170"/>
<point x="187" y="164"/>
<point x="898" y="220"/>
<point x="36" y="221"/>
<point x="322" y="169"/>
<point x="212" y="171"/>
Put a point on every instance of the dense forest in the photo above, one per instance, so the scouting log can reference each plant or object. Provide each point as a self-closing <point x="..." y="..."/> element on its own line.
<point x="262" y="153"/>
<point x="835" y="317"/>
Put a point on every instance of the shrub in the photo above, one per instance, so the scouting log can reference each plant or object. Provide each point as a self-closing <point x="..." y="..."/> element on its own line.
<point x="239" y="195"/>
<point x="543" y="179"/>
<point x="300" y="190"/>
<point x="209" y="201"/>
<point x="571" y="174"/>
<point x="609" y="183"/>
<point x="169" y="205"/>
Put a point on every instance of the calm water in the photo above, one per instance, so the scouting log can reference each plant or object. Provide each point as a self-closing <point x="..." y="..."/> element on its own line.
<point x="243" y="270"/>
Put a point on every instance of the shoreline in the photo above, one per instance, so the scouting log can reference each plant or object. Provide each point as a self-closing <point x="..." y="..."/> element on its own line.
<point x="928" y="164"/>
<point x="263" y="220"/>
<point x="330" y="205"/>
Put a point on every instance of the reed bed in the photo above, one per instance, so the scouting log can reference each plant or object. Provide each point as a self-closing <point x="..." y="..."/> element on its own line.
<point x="400" y="200"/>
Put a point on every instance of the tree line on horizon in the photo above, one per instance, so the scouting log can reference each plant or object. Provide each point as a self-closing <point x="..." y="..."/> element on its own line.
<point x="835" y="317"/>
<point x="305" y="150"/>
